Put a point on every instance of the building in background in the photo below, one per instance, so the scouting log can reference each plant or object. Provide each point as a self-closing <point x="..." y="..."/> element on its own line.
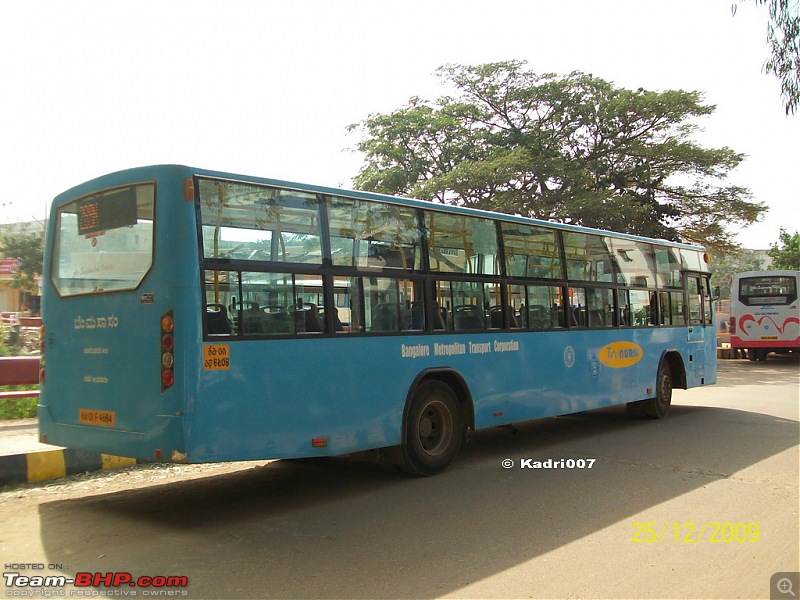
<point x="15" y="301"/>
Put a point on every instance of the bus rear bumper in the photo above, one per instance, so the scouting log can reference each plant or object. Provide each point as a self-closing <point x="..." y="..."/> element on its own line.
<point x="162" y="443"/>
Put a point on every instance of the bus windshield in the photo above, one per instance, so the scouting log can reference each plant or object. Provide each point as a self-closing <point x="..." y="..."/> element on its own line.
<point x="767" y="289"/>
<point x="104" y="242"/>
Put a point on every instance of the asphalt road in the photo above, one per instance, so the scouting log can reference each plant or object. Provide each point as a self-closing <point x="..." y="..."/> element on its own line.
<point x="703" y="504"/>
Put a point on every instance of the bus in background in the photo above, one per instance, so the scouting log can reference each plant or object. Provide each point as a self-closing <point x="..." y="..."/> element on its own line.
<point x="765" y="313"/>
<point x="198" y="316"/>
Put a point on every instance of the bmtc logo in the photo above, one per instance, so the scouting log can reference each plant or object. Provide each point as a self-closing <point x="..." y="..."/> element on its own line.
<point x="620" y="355"/>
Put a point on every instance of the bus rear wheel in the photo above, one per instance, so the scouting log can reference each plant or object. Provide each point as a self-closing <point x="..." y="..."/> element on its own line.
<point x="433" y="430"/>
<point x="658" y="407"/>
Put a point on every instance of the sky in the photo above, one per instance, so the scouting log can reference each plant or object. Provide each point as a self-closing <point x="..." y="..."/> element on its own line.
<point x="268" y="88"/>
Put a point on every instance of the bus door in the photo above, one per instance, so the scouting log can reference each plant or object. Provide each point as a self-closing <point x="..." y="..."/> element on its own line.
<point x="699" y="322"/>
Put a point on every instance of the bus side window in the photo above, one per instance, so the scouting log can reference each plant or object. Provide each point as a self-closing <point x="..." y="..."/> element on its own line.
<point x="576" y="309"/>
<point x="695" y="301"/>
<point x="469" y="305"/>
<point x="385" y="305"/>
<point x="624" y="308"/>
<point x="664" y="308"/>
<point x="677" y="308"/>
<point x="600" y="307"/>
<point x="642" y="308"/>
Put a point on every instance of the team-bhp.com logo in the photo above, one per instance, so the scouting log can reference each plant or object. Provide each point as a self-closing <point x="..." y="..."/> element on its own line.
<point x="158" y="585"/>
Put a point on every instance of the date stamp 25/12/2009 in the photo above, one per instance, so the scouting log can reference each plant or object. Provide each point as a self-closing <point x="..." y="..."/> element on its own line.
<point x="689" y="532"/>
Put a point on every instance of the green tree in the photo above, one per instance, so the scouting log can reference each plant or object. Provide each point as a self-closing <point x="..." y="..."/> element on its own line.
<point x="725" y="266"/>
<point x="783" y="37"/>
<point x="785" y="253"/>
<point x="29" y="249"/>
<point x="574" y="149"/>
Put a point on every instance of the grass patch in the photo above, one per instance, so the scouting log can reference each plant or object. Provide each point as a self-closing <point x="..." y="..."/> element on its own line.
<point x="18" y="408"/>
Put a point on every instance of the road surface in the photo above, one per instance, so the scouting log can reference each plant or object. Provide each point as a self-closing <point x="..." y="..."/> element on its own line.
<point x="703" y="504"/>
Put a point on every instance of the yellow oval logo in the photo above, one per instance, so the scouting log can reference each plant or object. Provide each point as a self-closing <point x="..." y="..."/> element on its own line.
<point x="619" y="355"/>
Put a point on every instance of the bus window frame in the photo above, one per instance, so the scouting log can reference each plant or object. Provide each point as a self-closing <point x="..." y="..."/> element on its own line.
<point x="706" y="313"/>
<point x="598" y="253"/>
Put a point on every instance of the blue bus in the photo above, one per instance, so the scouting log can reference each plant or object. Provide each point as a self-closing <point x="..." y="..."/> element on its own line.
<point x="197" y="316"/>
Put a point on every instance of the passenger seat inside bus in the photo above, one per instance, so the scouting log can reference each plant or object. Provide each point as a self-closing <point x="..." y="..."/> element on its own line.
<point x="252" y="318"/>
<point x="314" y="322"/>
<point x="217" y="320"/>
<point x="468" y="316"/>
<point x="306" y="318"/>
<point x="386" y="317"/>
<point x="496" y="316"/>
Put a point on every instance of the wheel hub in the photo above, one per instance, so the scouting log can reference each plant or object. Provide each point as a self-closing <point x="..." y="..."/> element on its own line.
<point x="425" y="427"/>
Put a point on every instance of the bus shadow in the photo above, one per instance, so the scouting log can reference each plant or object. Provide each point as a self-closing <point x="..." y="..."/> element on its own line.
<point x="335" y="528"/>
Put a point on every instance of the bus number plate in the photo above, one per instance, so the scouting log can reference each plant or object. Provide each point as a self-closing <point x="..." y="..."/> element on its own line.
<point x="216" y="357"/>
<point x="107" y="418"/>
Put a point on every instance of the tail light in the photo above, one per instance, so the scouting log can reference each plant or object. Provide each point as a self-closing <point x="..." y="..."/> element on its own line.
<point x="41" y="354"/>
<point x="167" y="351"/>
<point x="732" y="325"/>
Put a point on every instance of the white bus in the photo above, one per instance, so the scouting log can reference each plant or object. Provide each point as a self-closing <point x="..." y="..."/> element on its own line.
<point x="765" y="314"/>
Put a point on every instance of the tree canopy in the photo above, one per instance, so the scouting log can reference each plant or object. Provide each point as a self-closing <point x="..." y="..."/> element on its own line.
<point x="574" y="149"/>
<point x="725" y="266"/>
<point x="29" y="249"/>
<point x="785" y="253"/>
<point x="783" y="37"/>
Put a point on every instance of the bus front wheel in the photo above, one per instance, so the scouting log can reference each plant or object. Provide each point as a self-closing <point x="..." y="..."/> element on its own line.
<point x="658" y="407"/>
<point x="433" y="429"/>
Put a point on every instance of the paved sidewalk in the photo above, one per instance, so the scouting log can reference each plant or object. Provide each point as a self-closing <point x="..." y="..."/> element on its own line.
<point x="21" y="436"/>
<point x="23" y="459"/>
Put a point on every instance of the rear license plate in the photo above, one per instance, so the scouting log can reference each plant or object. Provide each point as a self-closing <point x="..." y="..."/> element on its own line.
<point x="107" y="418"/>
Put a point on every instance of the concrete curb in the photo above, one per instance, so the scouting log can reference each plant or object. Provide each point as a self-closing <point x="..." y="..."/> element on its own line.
<point x="53" y="464"/>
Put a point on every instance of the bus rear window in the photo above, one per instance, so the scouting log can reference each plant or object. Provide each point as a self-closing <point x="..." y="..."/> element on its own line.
<point x="104" y="242"/>
<point x="773" y="289"/>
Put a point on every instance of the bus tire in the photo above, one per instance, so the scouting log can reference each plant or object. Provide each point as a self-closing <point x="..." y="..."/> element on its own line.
<point x="658" y="407"/>
<point x="433" y="429"/>
<point x="752" y="354"/>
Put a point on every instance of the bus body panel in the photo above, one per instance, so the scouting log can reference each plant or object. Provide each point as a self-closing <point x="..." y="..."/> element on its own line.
<point x="765" y="315"/>
<point x="267" y="405"/>
<point x="102" y="388"/>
